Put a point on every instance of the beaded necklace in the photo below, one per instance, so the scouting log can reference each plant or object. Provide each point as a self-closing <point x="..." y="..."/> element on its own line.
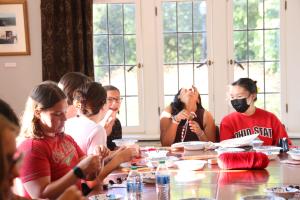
<point x="185" y="127"/>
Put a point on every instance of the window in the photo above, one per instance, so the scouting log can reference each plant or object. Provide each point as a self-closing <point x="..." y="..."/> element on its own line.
<point x="184" y="47"/>
<point x="256" y="35"/>
<point x="115" y="56"/>
<point x="191" y="42"/>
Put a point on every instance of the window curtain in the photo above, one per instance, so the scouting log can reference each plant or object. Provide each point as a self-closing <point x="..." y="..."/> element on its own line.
<point x="67" y="37"/>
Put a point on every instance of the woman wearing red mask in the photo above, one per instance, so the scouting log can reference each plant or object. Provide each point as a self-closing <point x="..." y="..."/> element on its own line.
<point x="249" y="119"/>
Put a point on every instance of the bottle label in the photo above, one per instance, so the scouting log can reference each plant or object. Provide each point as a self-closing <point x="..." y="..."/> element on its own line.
<point x="162" y="179"/>
<point x="131" y="187"/>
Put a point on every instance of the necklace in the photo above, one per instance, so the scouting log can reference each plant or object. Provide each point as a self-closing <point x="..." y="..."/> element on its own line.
<point x="185" y="126"/>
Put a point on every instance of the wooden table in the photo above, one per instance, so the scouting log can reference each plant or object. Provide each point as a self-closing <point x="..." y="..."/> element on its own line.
<point x="213" y="182"/>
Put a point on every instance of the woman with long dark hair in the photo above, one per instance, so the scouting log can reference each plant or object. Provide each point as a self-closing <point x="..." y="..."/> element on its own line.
<point x="186" y="120"/>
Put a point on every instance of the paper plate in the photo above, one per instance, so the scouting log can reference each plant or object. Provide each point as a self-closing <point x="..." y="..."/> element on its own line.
<point x="261" y="197"/>
<point x="238" y="142"/>
<point x="106" y="197"/>
<point x="194" y="145"/>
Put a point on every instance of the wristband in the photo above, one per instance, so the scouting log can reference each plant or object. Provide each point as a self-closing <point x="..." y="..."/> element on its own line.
<point x="78" y="172"/>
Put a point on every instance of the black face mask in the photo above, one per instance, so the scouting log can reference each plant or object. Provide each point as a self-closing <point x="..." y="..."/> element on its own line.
<point x="240" y="105"/>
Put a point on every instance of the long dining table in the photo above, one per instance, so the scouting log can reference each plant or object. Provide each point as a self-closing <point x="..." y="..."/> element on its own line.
<point x="215" y="183"/>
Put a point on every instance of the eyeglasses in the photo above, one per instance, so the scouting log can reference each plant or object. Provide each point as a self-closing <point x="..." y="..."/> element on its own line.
<point x="112" y="99"/>
<point x="14" y="159"/>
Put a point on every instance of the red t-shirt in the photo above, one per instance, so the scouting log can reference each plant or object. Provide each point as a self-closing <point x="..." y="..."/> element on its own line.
<point x="50" y="156"/>
<point x="266" y="124"/>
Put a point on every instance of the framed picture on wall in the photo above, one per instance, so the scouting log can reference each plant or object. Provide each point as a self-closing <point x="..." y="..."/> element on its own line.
<point x="14" y="33"/>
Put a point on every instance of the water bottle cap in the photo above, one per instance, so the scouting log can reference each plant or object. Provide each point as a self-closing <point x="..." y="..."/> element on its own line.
<point x="133" y="168"/>
<point x="161" y="162"/>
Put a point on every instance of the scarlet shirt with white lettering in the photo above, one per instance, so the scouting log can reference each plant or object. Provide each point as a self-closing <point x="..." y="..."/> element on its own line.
<point x="266" y="124"/>
<point x="50" y="156"/>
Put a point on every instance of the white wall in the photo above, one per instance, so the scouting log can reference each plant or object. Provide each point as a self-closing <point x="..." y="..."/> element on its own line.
<point x="16" y="82"/>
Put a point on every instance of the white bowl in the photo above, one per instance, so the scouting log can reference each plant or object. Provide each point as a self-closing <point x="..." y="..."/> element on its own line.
<point x="194" y="145"/>
<point x="267" y="149"/>
<point x="190" y="165"/>
<point x="124" y="142"/>
<point x="294" y="154"/>
<point x="221" y="150"/>
<point x="157" y="154"/>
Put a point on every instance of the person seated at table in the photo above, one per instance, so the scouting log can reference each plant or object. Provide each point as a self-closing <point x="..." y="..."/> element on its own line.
<point x="10" y="159"/>
<point x="186" y="120"/>
<point x="52" y="160"/>
<point x="110" y="122"/>
<point x="68" y="83"/>
<point x="86" y="129"/>
<point x="248" y="119"/>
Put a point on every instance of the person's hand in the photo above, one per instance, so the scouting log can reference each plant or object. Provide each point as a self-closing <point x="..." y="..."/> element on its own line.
<point x="72" y="193"/>
<point x="110" y="121"/>
<point x="127" y="154"/>
<point x="90" y="166"/>
<point x="195" y="127"/>
<point x="182" y="115"/>
<point x="102" y="151"/>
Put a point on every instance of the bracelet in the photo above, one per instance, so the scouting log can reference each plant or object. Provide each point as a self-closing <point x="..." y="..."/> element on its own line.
<point x="200" y="134"/>
<point x="174" y="119"/>
<point x="78" y="172"/>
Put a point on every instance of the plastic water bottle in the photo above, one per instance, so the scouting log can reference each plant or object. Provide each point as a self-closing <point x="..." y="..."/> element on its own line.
<point x="134" y="184"/>
<point x="162" y="181"/>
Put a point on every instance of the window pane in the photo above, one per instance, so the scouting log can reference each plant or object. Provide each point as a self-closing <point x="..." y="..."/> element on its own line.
<point x="201" y="79"/>
<point x="255" y="45"/>
<point x="170" y="48"/>
<point x="131" y="81"/>
<point x="185" y="47"/>
<point x="272" y="14"/>
<point x="272" y="77"/>
<point x="169" y="16"/>
<point x="122" y="113"/>
<point x="184" y="16"/>
<point x="116" y="48"/>
<point x="272" y="103"/>
<point x="168" y="100"/>
<point x="260" y="102"/>
<point x="240" y="45"/>
<point x="115" y="18"/>
<point x="132" y="106"/>
<point x="100" y="18"/>
<point x="129" y="18"/>
<point x="170" y="79"/>
<point x="255" y="14"/>
<point x="117" y="78"/>
<point x="240" y="15"/>
<point x="102" y="75"/>
<point x="100" y="50"/>
<point x="204" y="101"/>
<point x="256" y="73"/>
<point x="185" y="76"/>
<point x="130" y="49"/>
<point x="239" y="72"/>
<point x="199" y="16"/>
<point x="272" y="44"/>
<point x="200" y="47"/>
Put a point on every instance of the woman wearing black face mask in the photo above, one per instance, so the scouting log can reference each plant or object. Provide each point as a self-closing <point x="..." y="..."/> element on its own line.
<point x="249" y="119"/>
